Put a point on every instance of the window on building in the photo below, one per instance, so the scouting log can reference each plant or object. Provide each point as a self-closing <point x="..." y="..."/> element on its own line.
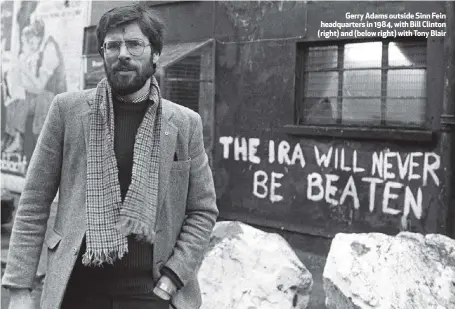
<point x="186" y="75"/>
<point x="183" y="82"/>
<point x="372" y="84"/>
<point x="90" y="43"/>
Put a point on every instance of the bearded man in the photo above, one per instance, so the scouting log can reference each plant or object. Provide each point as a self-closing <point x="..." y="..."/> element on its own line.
<point x="136" y="193"/>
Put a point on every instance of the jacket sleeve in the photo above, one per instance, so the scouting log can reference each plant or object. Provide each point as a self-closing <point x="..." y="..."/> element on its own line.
<point x="41" y="185"/>
<point x="201" y="211"/>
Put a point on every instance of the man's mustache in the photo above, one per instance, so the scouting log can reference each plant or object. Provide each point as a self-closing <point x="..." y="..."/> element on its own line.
<point x="124" y="66"/>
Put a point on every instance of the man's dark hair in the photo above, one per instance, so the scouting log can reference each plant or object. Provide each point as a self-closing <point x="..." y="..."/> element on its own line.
<point x="148" y="20"/>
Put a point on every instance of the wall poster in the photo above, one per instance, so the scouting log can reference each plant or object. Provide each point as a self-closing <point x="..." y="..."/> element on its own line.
<point x="41" y="56"/>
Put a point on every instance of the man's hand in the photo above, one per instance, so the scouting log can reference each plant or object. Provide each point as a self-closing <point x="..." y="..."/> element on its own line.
<point x="21" y="299"/>
<point x="165" y="288"/>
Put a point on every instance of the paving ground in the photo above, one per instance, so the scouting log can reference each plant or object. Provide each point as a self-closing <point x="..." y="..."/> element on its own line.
<point x="312" y="251"/>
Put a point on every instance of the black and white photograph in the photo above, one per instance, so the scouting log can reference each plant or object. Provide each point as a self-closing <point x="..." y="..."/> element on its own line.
<point x="227" y="154"/>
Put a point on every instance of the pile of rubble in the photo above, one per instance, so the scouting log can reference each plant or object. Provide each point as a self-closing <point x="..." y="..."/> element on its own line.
<point x="246" y="268"/>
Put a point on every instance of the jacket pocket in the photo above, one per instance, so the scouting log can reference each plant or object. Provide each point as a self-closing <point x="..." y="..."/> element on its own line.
<point x="53" y="239"/>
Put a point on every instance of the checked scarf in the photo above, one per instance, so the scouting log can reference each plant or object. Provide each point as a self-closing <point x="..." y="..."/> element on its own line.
<point x="109" y="221"/>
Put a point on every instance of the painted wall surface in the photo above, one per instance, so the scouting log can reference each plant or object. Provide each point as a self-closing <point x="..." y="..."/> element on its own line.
<point x="187" y="21"/>
<point x="329" y="186"/>
<point x="101" y="7"/>
<point x="239" y="21"/>
<point x="41" y="57"/>
<point x="313" y="185"/>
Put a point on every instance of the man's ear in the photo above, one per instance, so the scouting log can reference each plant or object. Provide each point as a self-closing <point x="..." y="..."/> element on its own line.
<point x="156" y="57"/>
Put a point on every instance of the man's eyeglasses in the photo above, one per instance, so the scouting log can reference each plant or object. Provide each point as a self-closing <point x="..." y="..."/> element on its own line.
<point x="134" y="47"/>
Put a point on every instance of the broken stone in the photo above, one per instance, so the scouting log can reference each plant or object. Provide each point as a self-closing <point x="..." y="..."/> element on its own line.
<point x="246" y="268"/>
<point x="383" y="272"/>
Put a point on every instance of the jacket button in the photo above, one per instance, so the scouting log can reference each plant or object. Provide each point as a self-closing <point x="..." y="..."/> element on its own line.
<point x="75" y="251"/>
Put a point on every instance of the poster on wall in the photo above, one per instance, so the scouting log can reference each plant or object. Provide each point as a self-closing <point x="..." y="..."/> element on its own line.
<point x="41" y="57"/>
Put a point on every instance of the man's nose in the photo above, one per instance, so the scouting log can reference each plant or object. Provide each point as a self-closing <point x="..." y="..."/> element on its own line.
<point x="123" y="52"/>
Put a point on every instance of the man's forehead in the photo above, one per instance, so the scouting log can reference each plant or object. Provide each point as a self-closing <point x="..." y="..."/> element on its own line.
<point x="128" y="31"/>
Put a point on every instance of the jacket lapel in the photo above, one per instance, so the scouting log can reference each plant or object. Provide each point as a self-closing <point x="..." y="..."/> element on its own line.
<point x="85" y="118"/>
<point x="167" y="149"/>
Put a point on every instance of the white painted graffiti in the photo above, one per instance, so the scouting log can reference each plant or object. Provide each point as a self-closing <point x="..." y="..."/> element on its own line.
<point x="260" y="181"/>
<point x="393" y="176"/>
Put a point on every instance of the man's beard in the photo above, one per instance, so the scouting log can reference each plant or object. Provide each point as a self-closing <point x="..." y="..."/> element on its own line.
<point x="126" y="84"/>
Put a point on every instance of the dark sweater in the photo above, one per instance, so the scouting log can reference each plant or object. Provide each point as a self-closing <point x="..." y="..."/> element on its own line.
<point x="128" y="118"/>
<point x="133" y="273"/>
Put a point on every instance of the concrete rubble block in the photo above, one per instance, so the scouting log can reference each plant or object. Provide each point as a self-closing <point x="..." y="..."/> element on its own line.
<point x="376" y="271"/>
<point x="246" y="268"/>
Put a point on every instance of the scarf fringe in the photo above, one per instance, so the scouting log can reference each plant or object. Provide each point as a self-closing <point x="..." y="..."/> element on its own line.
<point x="141" y="232"/>
<point x="98" y="258"/>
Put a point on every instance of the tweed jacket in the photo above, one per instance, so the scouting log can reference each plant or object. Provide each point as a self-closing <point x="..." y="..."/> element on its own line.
<point x="186" y="211"/>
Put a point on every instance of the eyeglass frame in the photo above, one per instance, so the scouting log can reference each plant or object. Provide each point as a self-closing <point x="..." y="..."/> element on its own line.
<point x="124" y="43"/>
